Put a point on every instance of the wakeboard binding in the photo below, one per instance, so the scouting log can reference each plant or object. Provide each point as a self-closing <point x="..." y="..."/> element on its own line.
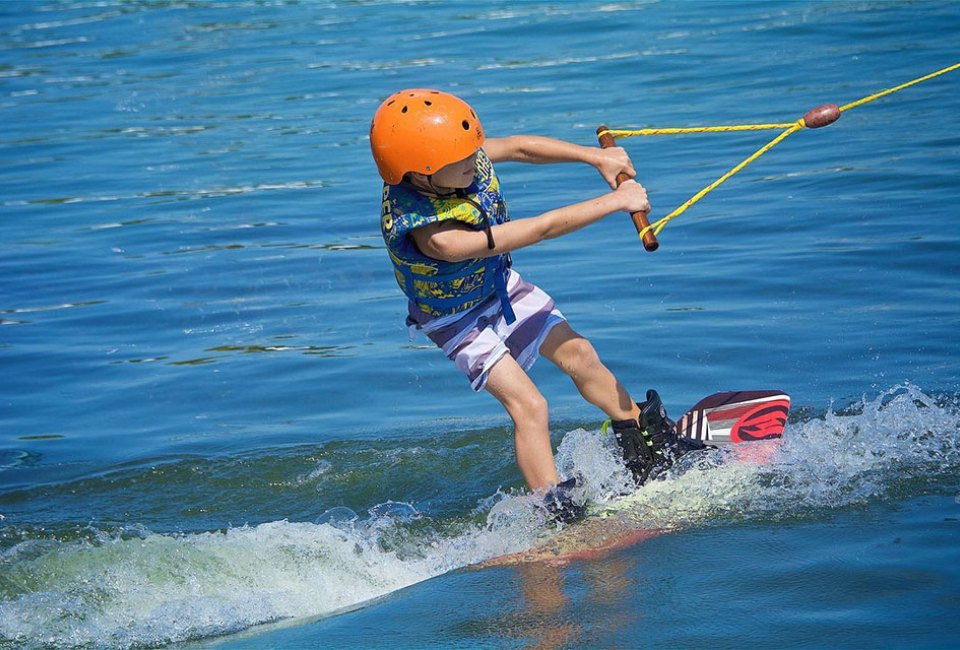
<point x="650" y="443"/>
<point x="561" y="503"/>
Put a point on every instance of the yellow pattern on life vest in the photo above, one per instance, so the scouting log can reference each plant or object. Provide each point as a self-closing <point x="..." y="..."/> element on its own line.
<point x="437" y="287"/>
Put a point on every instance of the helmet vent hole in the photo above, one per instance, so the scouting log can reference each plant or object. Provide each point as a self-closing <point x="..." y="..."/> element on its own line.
<point x="466" y="125"/>
<point x="390" y="103"/>
<point x="428" y="103"/>
<point x="403" y="110"/>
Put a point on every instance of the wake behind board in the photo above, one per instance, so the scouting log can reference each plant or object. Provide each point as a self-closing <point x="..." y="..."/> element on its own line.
<point x="720" y="419"/>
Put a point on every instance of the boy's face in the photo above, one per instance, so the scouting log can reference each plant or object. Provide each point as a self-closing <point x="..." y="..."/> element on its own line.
<point x="455" y="176"/>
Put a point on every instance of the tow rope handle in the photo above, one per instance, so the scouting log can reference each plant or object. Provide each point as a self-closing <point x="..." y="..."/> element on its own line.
<point x="640" y="221"/>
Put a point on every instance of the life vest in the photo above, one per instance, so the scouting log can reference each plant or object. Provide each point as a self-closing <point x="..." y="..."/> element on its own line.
<point x="436" y="287"/>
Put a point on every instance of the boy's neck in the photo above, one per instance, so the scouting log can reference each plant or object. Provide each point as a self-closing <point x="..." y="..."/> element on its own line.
<point x="428" y="188"/>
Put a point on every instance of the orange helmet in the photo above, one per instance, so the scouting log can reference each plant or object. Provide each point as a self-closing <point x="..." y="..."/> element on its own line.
<point x="422" y="130"/>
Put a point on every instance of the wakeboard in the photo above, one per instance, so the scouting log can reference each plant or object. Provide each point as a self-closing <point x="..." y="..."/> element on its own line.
<point x="721" y="419"/>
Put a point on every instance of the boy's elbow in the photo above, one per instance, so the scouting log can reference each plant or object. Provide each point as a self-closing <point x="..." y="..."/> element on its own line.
<point x="445" y="251"/>
<point x="549" y="229"/>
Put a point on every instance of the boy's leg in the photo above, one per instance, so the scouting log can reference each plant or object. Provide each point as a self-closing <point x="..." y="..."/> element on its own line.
<point x="576" y="357"/>
<point x="527" y="407"/>
<point x="647" y="439"/>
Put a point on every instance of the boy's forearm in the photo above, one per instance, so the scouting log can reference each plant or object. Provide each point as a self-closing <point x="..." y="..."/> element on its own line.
<point x="562" y="221"/>
<point x="554" y="223"/>
<point x="455" y="242"/>
<point x="540" y="150"/>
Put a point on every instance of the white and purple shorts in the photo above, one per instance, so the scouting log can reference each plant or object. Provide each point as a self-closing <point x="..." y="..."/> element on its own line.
<point x="476" y="339"/>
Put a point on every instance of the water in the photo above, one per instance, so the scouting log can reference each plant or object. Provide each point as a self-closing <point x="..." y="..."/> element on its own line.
<point x="215" y="431"/>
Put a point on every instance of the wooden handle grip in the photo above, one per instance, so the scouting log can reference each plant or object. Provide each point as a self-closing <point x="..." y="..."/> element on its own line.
<point x="639" y="218"/>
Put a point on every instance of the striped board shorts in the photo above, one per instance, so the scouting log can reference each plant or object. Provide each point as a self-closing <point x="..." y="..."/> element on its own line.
<point x="476" y="339"/>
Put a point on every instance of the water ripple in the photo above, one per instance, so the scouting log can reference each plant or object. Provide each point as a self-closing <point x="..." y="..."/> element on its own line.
<point x="219" y="192"/>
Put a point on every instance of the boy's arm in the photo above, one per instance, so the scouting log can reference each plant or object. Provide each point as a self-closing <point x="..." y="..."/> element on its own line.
<point x="540" y="150"/>
<point x="452" y="241"/>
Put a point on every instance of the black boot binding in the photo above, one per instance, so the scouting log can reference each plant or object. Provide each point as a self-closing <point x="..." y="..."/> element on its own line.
<point x="651" y="445"/>
<point x="559" y="503"/>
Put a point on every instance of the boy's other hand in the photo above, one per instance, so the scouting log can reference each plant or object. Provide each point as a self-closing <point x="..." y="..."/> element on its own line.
<point x="612" y="161"/>
<point x="633" y="197"/>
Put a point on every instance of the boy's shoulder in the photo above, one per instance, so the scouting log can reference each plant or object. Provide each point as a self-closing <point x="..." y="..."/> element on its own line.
<point x="408" y="209"/>
<point x="404" y="208"/>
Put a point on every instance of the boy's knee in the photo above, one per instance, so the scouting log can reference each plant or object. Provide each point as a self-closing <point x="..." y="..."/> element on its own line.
<point x="536" y="404"/>
<point x="581" y="355"/>
<point x="530" y="406"/>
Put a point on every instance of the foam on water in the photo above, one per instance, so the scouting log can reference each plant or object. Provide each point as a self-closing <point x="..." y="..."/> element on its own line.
<point x="136" y="587"/>
<point x="162" y="588"/>
<point x="140" y="588"/>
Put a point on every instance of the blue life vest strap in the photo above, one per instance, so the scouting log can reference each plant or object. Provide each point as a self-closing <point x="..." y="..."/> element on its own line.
<point x="500" y="280"/>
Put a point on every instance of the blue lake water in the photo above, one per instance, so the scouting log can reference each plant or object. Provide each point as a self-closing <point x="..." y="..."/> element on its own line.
<point x="214" y="430"/>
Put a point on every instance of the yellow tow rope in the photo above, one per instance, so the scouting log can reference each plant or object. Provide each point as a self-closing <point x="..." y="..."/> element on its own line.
<point x="818" y="117"/>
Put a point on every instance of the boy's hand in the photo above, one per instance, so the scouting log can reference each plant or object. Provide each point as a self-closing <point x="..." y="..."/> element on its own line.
<point x="633" y="197"/>
<point x="612" y="161"/>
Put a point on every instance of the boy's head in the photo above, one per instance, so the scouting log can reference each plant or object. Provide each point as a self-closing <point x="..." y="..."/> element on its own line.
<point x="423" y="131"/>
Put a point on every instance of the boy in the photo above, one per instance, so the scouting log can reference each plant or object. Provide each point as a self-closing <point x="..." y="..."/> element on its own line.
<point x="446" y="227"/>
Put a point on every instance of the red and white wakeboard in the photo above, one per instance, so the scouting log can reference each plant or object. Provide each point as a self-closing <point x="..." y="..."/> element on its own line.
<point x="736" y="417"/>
